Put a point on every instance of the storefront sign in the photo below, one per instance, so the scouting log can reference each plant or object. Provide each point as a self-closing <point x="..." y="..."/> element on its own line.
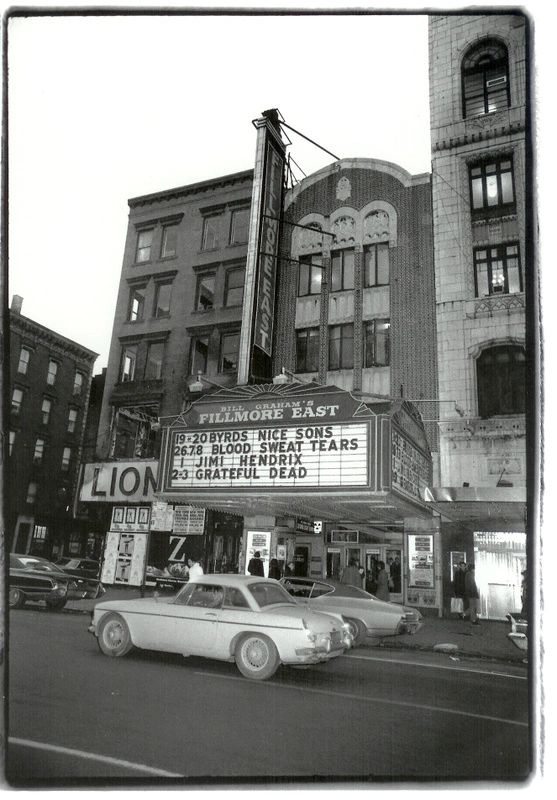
<point x="130" y="518"/>
<point x="410" y="468"/>
<point x="124" y="558"/>
<point x="304" y="525"/>
<point x="189" y="520"/>
<point x="121" y="481"/>
<point x="162" y="516"/>
<point x="420" y="561"/>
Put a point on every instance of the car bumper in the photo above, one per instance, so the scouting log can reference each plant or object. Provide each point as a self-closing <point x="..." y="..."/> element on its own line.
<point x="409" y="627"/>
<point x="314" y="655"/>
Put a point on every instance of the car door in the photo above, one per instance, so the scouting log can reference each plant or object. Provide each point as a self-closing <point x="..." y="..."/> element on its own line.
<point x="197" y="613"/>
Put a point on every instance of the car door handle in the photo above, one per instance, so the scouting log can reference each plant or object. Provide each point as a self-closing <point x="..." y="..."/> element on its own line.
<point x="210" y="614"/>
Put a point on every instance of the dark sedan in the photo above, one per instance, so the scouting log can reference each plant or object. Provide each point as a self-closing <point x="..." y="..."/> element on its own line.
<point x="79" y="567"/>
<point x="34" y="579"/>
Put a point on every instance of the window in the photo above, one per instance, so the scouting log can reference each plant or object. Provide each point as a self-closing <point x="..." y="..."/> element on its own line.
<point x="376" y="343"/>
<point x="501" y="376"/>
<point x="162" y="300"/>
<point x="134" y="432"/>
<point x="210" y="240"/>
<point x="129" y="356"/>
<point x="310" y="275"/>
<point x="198" y="355"/>
<point x="497" y="270"/>
<point x="341" y="347"/>
<point x="342" y="270"/>
<point x="485" y="79"/>
<point x="153" y="366"/>
<point x="136" y="304"/>
<point x="205" y="293"/>
<point x="144" y="242"/>
<point x="46" y="408"/>
<point x="239" y="227"/>
<point x="24" y="356"/>
<point x="52" y="371"/>
<point x="234" y="287"/>
<point x="12" y="441"/>
<point x="491" y="187"/>
<point x="39" y="452"/>
<point x="66" y="456"/>
<point x="229" y="346"/>
<point x="233" y="598"/>
<point x="376" y="264"/>
<point x="78" y="383"/>
<point x="307" y="350"/>
<point x="72" y="419"/>
<point x="17" y="400"/>
<point x="31" y="493"/>
<point x="169" y="241"/>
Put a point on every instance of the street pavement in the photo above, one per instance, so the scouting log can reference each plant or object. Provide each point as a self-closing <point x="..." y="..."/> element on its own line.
<point x="451" y="635"/>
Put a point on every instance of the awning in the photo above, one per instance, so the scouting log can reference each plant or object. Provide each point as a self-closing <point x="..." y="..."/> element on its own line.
<point x="483" y="507"/>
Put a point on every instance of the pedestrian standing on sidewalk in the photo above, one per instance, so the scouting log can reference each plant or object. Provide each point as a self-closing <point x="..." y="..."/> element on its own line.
<point x="459" y="587"/>
<point x="382" y="592"/>
<point x="350" y="574"/>
<point x="195" y="568"/>
<point x="472" y="595"/>
<point x="255" y="566"/>
<point x="274" y="569"/>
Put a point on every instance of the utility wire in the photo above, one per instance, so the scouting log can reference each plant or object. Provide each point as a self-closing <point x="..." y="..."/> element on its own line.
<point x="281" y="122"/>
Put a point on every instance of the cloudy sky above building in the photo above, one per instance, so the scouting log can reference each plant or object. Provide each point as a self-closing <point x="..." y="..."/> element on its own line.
<point x="102" y="109"/>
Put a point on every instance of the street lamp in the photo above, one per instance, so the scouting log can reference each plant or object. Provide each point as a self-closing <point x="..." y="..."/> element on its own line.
<point x="197" y="385"/>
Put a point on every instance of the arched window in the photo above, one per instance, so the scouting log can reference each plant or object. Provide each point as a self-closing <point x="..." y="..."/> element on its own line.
<point x="485" y="79"/>
<point x="501" y="380"/>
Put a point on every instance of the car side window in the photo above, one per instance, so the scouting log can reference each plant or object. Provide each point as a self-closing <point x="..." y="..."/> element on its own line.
<point x="234" y="598"/>
<point x="321" y="589"/>
<point x="206" y="596"/>
<point x="298" y="589"/>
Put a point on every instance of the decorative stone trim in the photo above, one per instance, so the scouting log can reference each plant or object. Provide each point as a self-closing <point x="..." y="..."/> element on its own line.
<point x="488" y="306"/>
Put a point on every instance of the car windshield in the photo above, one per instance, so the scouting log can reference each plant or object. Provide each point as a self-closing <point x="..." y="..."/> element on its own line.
<point x="62" y="562"/>
<point x="43" y="566"/>
<point x="269" y="594"/>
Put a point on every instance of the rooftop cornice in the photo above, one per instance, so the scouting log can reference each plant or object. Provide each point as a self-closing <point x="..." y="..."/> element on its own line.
<point x="25" y="326"/>
<point x="192" y="188"/>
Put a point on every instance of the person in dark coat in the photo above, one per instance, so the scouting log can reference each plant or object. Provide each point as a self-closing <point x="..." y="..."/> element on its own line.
<point x="472" y="595"/>
<point x="382" y="591"/>
<point x="274" y="569"/>
<point x="255" y="566"/>
<point x="458" y="584"/>
<point x="289" y="569"/>
<point x="351" y="575"/>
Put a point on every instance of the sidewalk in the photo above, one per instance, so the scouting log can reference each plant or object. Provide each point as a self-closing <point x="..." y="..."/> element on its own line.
<point x="487" y="640"/>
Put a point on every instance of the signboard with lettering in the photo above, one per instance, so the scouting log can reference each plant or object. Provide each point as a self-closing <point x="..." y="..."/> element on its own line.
<point x="420" y="561"/>
<point x="119" y="481"/>
<point x="189" y="520"/>
<point x="124" y="558"/>
<point x="258" y="542"/>
<point x="130" y="518"/>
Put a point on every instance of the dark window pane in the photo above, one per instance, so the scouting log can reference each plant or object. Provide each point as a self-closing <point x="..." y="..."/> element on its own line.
<point x="144" y="241"/>
<point x="153" y="366"/>
<point x="162" y="301"/>
<point x="234" y="287"/>
<point x="200" y="349"/>
<point x="210" y="233"/>
<point x="205" y="292"/>
<point x="169" y="240"/>
<point x="240" y="226"/>
<point x="303" y="279"/>
<point x="229" y="352"/>
<point x="501" y="375"/>
<point x="315" y="279"/>
<point x="336" y="272"/>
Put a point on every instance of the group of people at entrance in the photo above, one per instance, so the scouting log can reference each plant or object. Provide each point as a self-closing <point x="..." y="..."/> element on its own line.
<point x="465" y="590"/>
<point x="354" y="575"/>
<point x="255" y="567"/>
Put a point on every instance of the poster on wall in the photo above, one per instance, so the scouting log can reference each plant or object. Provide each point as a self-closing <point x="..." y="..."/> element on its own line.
<point x="420" y="561"/>
<point x="124" y="558"/>
<point x="189" y="520"/>
<point x="162" y="516"/>
<point x="130" y="518"/>
<point x="258" y="542"/>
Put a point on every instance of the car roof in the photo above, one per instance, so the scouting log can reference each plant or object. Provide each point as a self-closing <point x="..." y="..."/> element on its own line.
<point x="340" y="589"/>
<point x="230" y="579"/>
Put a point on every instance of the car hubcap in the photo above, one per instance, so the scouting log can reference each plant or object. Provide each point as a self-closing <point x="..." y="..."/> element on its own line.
<point x="114" y="635"/>
<point x="256" y="653"/>
<point x="13" y="596"/>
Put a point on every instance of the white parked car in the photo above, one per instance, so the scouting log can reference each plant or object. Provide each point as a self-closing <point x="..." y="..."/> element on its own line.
<point x="250" y="620"/>
<point x="366" y="615"/>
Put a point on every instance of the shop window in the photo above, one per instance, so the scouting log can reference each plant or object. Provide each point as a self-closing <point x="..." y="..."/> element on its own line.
<point x="210" y="236"/>
<point x="205" y="293"/>
<point x="198" y="355"/>
<point x="66" y="458"/>
<point x="129" y="357"/>
<point x="341" y="347"/>
<point x="153" y="365"/>
<point x="307" y="350"/>
<point x="239" y="226"/>
<point x="17" y="400"/>
<point x="501" y="373"/>
<point x="162" y="300"/>
<point x="342" y="270"/>
<point x="310" y="275"/>
<point x="485" y="79"/>
<point x="144" y="244"/>
<point x="497" y="270"/>
<point x="229" y="347"/>
<point x="46" y="408"/>
<point x="72" y="420"/>
<point x="169" y="241"/>
<point x="39" y="451"/>
<point x="492" y="187"/>
<point x="377" y="343"/>
<point x="136" y="303"/>
<point x="52" y="372"/>
<point x="376" y="264"/>
<point x="234" y="287"/>
<point x="24" y="357"/>
<point x="78" y="383"/>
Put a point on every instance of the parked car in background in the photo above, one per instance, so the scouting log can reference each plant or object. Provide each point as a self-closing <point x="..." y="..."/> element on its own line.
<point x="244" y="619"/>
<point x="364" y="613"/>
<point x="79" y="567"/>
<point x="34" y="579"/>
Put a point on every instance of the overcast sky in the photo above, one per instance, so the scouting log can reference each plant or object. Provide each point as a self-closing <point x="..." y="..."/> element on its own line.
<point x="104" y="109"/>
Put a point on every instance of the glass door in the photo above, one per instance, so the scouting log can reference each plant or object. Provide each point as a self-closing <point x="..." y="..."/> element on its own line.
<point x="333" y="563"/>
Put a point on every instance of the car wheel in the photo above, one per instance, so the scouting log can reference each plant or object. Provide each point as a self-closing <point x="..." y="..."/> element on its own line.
<point x="256" y="657"/>
<point x="16" y="598"/>
<point x="357" y="629"/>
<point x="114" y="636"/>
<point x="56" y="605"/>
